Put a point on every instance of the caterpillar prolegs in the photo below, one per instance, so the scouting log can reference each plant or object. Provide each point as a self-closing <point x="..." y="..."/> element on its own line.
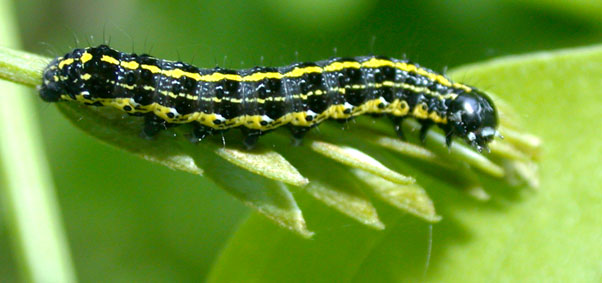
<point x="261" y="99"/>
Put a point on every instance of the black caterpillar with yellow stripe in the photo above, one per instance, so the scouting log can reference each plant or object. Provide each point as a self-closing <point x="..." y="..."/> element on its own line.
<point x="260" y="99"/>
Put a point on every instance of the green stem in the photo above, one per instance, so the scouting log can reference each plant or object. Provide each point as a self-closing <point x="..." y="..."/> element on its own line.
<point x="32" y="210"/>
<point x="21" y="67"/>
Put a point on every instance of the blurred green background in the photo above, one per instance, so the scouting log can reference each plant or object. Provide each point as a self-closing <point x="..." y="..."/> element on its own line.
<point x="130" y="220"/>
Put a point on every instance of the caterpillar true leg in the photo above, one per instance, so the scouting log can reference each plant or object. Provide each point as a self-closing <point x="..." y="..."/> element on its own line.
<point x="298" y="133"/>
<point x="397" y="126"/>
<point x="200" y="132"/>
<point x="426" y="124"/>
<point x="250" y="137"/>
<point x="153" y="125"/>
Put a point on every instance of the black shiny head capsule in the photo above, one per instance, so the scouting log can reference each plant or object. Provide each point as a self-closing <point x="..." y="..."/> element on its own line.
<point x="473" y="117"/>
<point x="62" y="77"/>
<point x="52" y="87"/>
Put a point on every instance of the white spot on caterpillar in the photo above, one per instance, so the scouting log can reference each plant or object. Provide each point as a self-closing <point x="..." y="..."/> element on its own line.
<point x="219" y="117"/>
<point x="471" y="136"/>
<point x="468" y="108"/>
<point x="134" y="103"/>
<point x="488" y="131"/>
<point x="267" y="118"/>
<point x="310" y="115"/>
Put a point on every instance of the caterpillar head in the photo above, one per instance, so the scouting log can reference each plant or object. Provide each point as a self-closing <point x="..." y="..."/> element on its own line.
<point x="61" y="78"/>
<point x="473" y="117"/>
<point x="52" y="87"/>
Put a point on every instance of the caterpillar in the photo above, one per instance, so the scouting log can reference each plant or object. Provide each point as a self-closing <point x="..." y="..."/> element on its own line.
<point x="260" y="99"/>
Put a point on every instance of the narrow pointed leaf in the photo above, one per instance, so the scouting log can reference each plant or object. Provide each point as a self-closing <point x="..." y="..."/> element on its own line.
<point x="520" y="172"/>
<point x="269" y="164"/>
<point x="355" y="158"/>
<point x="409" y="198"/>
<point x="507" y="151"/>
<point x="477" y="193"/>
<point x="356" y="206"/>
<point x="409" y="149"/>
<point x="525" y="142"/>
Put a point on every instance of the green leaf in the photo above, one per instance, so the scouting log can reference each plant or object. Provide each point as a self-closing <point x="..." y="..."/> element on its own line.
<point x="549" y="235"/>
<point x="580" y="9"/>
